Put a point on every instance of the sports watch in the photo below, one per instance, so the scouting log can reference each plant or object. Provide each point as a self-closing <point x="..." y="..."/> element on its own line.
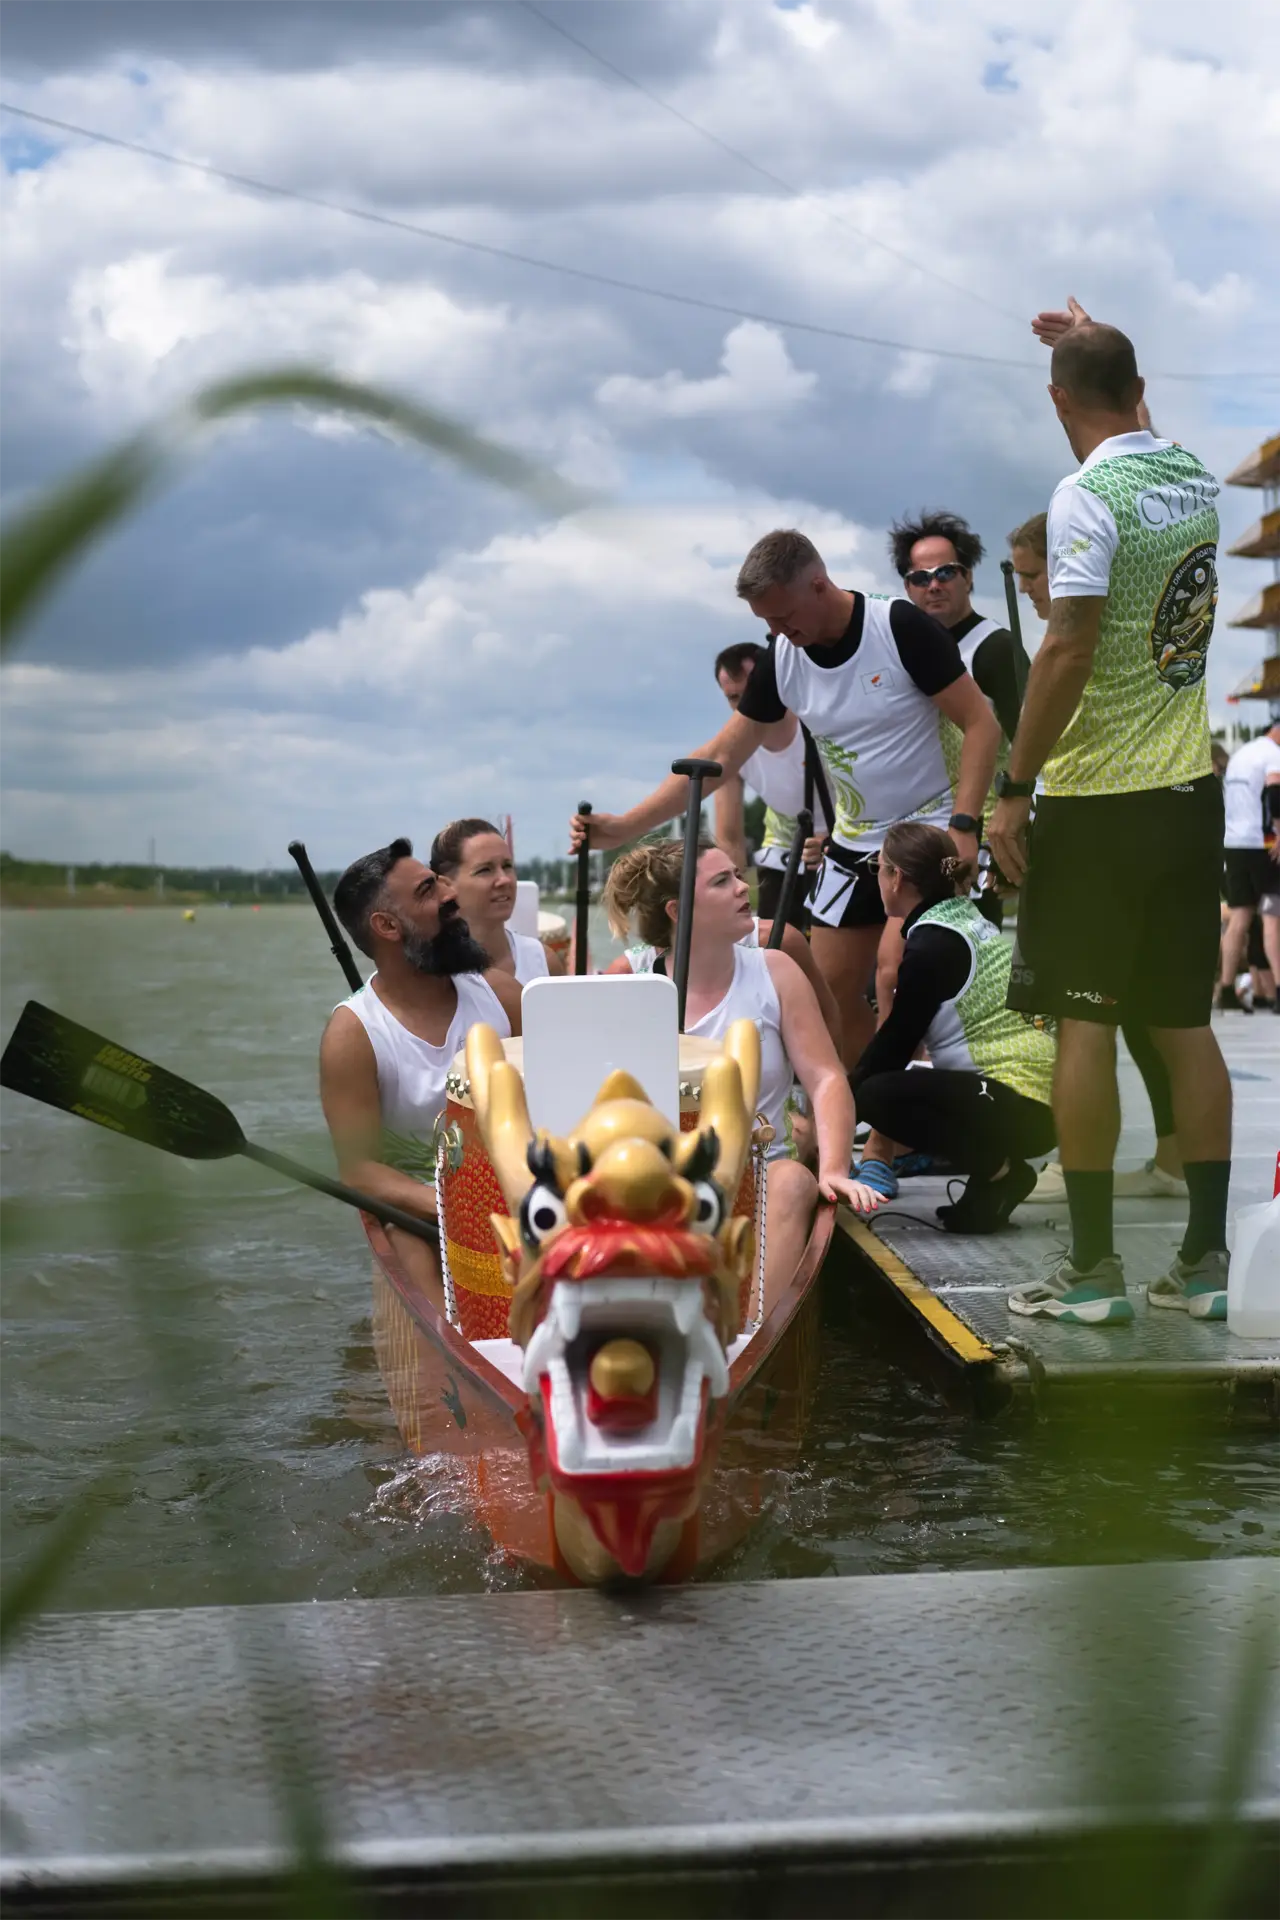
<point x="965" y="823"/>
<point x="1009" y="789"/>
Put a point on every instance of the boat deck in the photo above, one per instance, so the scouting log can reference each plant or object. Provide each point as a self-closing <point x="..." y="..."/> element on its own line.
<point x="796" y="1746"/>
<point x="954" y="1288"/>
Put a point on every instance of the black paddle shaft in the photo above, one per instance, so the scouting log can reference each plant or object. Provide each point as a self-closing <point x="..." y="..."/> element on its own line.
<point x="65" y="1065"/>
<point x="1015" y="628"/>
<point x="791" y="877"/>
<point x="337" y="945"/>
<point x="696" y="771"/>
<point x="582" y="900"/>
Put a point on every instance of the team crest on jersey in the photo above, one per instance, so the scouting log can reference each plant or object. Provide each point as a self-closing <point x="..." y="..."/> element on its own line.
<point x="1184" y="618"/>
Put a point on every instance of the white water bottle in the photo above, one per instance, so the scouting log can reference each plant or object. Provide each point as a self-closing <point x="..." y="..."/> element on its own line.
<point x="1253" y="1283"/>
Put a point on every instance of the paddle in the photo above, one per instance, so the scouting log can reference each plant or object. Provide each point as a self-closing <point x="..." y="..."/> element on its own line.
<point x="582" y="902"/>
<point x="696" y="771"/>
<point x="337" y="945"/>
<point x="1020" y="662"/>
<point x="791" y="876"/>
<point x="65" y="1065"/>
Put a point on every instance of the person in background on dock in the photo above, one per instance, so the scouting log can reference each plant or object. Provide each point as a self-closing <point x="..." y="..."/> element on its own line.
<point x="983" y="1105"/>
<point x="1251" y="791"/>
<point x="729" y="981"/>
<point x="476" y="861"/>
<point x="1119" y="911"/>
<point x="387" y="1049"/>
<point x="777" y="774"/>
<point x="934" y="555"/>
<point x="1159" y="1178"/>
<point x="869" y="678"/>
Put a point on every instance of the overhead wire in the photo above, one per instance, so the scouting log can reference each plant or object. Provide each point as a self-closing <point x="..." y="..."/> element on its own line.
<point x="766" y="173"/>
<point x="274" y="190"/>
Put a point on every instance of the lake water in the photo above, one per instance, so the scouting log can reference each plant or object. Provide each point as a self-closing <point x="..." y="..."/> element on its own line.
<point x="189" y="1345"/>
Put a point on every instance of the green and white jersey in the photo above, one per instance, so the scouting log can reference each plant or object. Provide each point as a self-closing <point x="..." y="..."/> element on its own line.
<point x="1138" y="525"/>
<point x="976" y="1032"/>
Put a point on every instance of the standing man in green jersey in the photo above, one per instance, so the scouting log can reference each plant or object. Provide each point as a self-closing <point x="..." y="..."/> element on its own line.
<point x="1119" y="912"/>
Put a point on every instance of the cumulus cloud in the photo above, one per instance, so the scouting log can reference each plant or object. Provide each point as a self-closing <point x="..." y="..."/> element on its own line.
<point x="757" y="377"/>
<point x="305" y="630"/>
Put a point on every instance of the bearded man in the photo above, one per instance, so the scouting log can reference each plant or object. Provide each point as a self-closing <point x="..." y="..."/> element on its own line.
<point x="386" y="1050"/>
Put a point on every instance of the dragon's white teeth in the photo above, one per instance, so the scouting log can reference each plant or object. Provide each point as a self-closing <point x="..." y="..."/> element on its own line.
<point x="687" y="1307"/>
<point x="566" y="1304"/>
<point x="709" y="1351"/>
<point x="544" y="1343"/>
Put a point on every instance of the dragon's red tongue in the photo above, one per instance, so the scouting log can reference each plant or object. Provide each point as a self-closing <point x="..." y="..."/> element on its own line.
<point x="625" y="1528"/>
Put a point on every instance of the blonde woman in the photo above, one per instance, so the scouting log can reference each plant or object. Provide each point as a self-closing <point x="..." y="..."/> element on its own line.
<point x="729" y="981"/>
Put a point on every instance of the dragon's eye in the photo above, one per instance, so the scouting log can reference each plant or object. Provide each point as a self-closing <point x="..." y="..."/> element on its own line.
<point x="708" y="1207"/>
<point x="541" y="1213"/>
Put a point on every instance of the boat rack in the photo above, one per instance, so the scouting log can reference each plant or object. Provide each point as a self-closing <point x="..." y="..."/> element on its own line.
<point x="951" y="1289"/>
<point x="995" y="1742"/>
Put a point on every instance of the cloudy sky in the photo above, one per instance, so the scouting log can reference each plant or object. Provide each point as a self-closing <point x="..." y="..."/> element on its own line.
<point x="320" y="632"/>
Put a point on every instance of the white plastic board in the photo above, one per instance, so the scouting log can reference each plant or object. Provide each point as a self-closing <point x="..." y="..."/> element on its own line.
<point x="524" y="915"/>
<point x="577" y="1029"/>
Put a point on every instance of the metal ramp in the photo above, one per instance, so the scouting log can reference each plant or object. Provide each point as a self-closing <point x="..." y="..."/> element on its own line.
<point x="823" y="1729"/>
<point x="955" y="1287"/>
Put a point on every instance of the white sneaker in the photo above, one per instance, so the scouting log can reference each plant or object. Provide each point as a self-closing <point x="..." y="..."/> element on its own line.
<point x="1149" y="1182"/>
<point x="1050" y="1189"/>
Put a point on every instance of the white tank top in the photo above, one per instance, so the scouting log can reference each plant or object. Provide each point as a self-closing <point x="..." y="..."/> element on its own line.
<point x="529" y="955"/>
<point x="411" y="1072"/>
<point x="878" y="735"/>
<point x="751" y="996"/>
<point x="779" y="780"/>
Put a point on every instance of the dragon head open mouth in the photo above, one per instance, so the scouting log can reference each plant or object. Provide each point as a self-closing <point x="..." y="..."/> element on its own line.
<point x="627" y="1270"/>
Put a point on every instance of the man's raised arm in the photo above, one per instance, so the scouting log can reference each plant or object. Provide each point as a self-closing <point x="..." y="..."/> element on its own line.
<point x="735" y="743"/>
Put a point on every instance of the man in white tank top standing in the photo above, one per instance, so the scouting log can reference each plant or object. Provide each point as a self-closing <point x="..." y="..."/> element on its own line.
<point x="870" y="678"/>
<point x="387" y="1049"/>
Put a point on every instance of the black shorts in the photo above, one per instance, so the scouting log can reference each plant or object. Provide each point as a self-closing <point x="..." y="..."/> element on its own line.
<point x="769" y="892"/>
<point x="1119" y="916"/>
<point x="1250" y="872"/>
<point x="846" y="892"/>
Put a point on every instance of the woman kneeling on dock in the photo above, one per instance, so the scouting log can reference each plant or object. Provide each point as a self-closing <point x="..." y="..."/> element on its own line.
<point x="729" y="981"/>
<point x="984" y="1103"/>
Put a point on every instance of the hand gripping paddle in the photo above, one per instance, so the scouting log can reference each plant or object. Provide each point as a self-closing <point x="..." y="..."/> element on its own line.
<point x="65" y="1065"/>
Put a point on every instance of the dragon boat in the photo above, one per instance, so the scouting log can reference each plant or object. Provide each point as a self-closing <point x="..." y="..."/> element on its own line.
<point x="604" y="1368"/>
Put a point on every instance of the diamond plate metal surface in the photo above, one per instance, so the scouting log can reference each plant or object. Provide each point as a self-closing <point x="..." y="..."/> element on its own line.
<point x="973" y="1275"/>
<point x="874" y="1712"/>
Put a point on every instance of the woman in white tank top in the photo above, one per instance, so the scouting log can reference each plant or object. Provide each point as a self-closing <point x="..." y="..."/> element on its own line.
<point x="730" y="981"/>
<point x="475" y="858"/>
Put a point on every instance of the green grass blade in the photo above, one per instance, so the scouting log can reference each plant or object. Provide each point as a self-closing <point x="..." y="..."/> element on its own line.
<point x="47" y="538"/>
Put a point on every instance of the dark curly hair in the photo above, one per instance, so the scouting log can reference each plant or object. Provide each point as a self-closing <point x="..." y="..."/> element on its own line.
<point x="903" y="535"/>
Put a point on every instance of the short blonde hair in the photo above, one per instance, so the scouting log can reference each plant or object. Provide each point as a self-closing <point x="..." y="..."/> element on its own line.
<point x="1033" y="534"/>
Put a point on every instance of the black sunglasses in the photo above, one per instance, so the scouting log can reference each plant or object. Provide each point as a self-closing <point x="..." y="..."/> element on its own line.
<point x="924" y="576"/>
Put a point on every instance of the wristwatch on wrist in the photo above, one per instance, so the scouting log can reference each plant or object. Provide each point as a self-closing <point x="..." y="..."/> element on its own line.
<point x="1009" y="789"/>
<point x="965" y="823"/>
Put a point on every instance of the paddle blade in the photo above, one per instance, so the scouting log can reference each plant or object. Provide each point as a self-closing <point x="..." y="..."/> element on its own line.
<point x="65" y="1065"/>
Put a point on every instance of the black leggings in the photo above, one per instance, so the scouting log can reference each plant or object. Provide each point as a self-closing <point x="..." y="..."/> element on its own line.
<point x="965" y="1118"/>
<point x="1149" y="1061"/>
<point x="769" y="892"/>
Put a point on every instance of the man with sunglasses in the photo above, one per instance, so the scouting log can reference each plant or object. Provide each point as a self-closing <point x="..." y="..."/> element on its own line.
<point x="935" y="555"/>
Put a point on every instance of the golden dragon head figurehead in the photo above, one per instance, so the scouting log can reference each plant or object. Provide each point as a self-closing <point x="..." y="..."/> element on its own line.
<point x="627" y="1268"/>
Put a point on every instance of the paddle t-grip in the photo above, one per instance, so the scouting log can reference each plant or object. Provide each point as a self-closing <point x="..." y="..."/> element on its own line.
<point x="695" y="772"/>
<point x="582" y="900"/>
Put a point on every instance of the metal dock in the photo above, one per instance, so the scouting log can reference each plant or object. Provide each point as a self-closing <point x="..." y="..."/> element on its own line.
<point x="953" y="1288"/>
<point x="915" y="1744"/>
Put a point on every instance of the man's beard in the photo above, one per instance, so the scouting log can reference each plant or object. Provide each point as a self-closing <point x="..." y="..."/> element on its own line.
<point x="450" y="952"/>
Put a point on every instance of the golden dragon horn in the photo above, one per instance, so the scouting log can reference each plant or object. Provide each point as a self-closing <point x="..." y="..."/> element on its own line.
<point x="730" y="1088"/>
<point x="497" y="1093"/>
